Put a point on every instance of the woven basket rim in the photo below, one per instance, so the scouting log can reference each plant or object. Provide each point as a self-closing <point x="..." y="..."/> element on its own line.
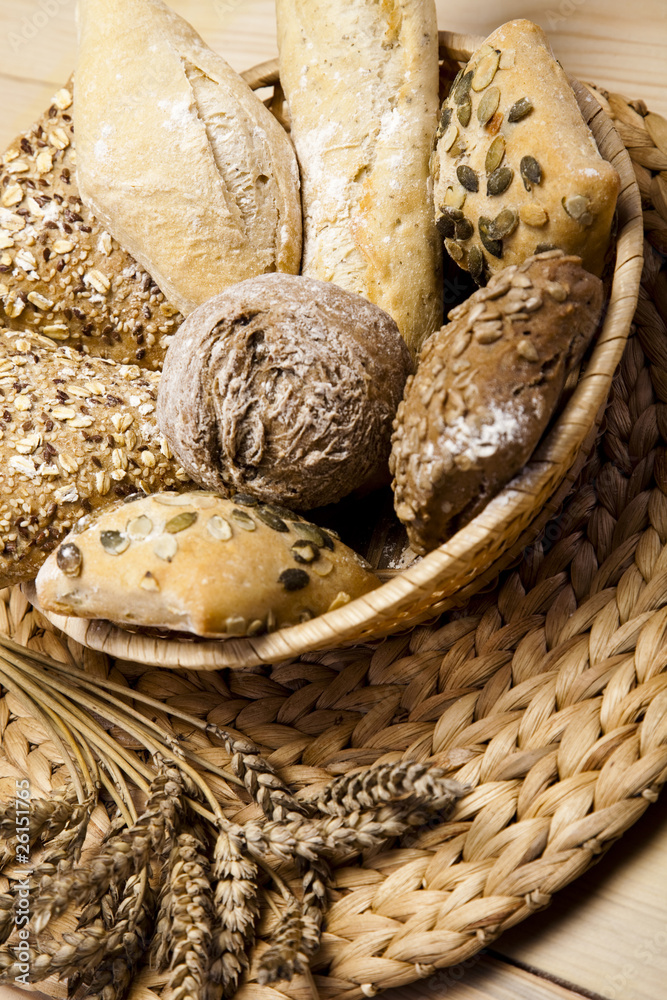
<point x="413" y="596"/>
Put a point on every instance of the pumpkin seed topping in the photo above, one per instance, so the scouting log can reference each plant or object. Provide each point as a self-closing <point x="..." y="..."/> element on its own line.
<point x="171" y="499"/>
<point x="69" y="559"/>
<point x="486" y="70"/>
<point x="133" y="497"/>
<point x="165" y="547"/>
<point x="464" y="111"/>
<point x="475" y="262"/>
<point x="114" y="542"/>
<point x="455" y="83"/>
<point x="464" y="229"/>
<point x="467" y="177"/>
<point x="139" y="528"/>
<point x="490" y="242"/>
<point x="449" y="137"/>
<point x="494" y="156"/>
<point x="294" y="579"/>
<point x="219" y="528"/>
<point x="236" y="625"/>
<point x="577" y="207"/>
<point x="311" y="533"/>
<point x="455" y="251"/>
<point x="245" y="500"/>
<point x="243" y="520"/>
<point x="462" y="89"/>
<point x="148" y="582"/>
<point x="272" y="520"/>
<point x="305" y="552"/>
<point x="505" y="223"/>
<point x="520" y="109"/>
<point x="531" y="172"/>
<point x="488" y="105"/>
<point x="499" y="180"/>
<point x="445" y="119"/>
<point x="446" y="226"/>
<point x="181" y="522"/>
<point x="274" y="508"/>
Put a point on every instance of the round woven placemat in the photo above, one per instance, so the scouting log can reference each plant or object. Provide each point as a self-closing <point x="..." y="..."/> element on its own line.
<point x="547" y="694"/>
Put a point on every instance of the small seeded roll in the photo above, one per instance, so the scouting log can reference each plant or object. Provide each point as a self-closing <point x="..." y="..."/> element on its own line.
<point x="516" y="168"/>
<point x="61" y="273"/>
<point x="198" y="563"/>
<point x="284" y="388"/>
<point x="485" y="389"/>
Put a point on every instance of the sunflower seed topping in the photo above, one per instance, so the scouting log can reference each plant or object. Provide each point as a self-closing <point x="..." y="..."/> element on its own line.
<point x="69" y="559"/>
<point x="520" y="109"/>
<point x="305" y="552"/>
<point x="165" y="547"/>
<point x="499" y="180"/>
<point x="219" y="528"/>
<point x="533" y="214"/>
<point x="486" y="70"/>
<point x="488" y="105"/>
<point x="577" y="207"/>
<point x="139" y="529"/>
<point x="323" y="567"/>
<point x="468" y="178"/>
<point x="181" y="522"/>
<point x="148" y="582"/>
<point x="527" y="351"/>
<point x="449" y="137"/>
<point x="531" y="172"/>
<point x="114" y="542"/>
<point x="236" y="625"/>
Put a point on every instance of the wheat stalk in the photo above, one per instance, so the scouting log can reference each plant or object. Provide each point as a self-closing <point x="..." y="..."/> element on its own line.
<point x="285" y="956"/>
<point x="236" y="909"/>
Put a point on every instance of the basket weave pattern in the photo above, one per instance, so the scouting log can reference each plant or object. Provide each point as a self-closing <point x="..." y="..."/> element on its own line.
<point x="547" y="694"/>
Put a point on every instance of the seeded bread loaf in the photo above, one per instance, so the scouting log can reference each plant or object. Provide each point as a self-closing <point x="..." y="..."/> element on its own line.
<point x="76" y="433"/>
<point x="201" y="564"/>
<point x="361" y="80"/>
<point x="284" y="387"/>
<point x="485" y="389"/>
<point x="516" y="168"/>
<point x="177" y="156"/>
<point x="61" y="273"/>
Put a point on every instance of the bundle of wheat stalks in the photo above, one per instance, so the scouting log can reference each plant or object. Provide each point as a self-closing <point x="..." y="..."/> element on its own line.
<point x="177" y="879"/>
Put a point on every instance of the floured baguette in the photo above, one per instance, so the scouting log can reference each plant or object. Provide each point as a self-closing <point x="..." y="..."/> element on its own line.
<point x="361" y="80"/>
<point x="61" y="273"/>
<point x="76" y="433"/>
<point x="177" y="156"/>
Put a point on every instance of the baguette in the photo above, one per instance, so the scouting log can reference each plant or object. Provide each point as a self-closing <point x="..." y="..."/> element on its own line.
<point x="76" y="433"/>
<point x="361" y="81"/>
<point x="177" y="156"/>
<point x="61" y="273"/>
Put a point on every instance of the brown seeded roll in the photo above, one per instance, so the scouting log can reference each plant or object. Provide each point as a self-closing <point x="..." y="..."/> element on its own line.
<point x="201" y="564"/>
<point x="485" y="389"/>
<point x="61" y="273"/>
<point x="76" y="433"/>
<point x="284" y="388"/>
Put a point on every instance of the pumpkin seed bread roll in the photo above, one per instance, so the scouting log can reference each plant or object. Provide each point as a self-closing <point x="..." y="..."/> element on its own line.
<point x="516" y="168"/>
<point x="61" y="273"/>
<point x="201" y="564"/>
<point x="76" y="433"/>
<point x="361" y="80"/>
<point x="177" y="156"/>
<point x="485" y="389"/>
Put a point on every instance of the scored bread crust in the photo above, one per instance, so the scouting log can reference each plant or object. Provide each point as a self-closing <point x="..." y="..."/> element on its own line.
<point x="76" y="433"/>
<point x="361" y="80"/>
<point x="61" y="273"/>
<point x="177" y="156"/>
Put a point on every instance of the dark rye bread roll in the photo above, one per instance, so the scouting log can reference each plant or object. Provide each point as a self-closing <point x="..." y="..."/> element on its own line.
<point x="285" y="388"/>
<point x="486" y="387"/>
<point x="61" y="273"/>
<point x="76" y="434"/>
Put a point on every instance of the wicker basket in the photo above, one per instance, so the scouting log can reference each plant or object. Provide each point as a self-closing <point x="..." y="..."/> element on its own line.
<point x="476" y="553"/>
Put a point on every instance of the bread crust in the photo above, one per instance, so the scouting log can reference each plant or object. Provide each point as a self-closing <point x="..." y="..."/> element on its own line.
<point x="485" y="389"/>
<point x="177" y="156"/>
<point x="361" y="80"/>
<point x="286" y="388"/>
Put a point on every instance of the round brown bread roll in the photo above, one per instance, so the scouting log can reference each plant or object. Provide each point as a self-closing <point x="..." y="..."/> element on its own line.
<point x="198" y="563"/>
<point x="285" y="388"/>
<point x="485" y="389"/>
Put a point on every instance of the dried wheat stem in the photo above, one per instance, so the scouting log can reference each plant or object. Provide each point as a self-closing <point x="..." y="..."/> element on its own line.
<point x="236" y="909"/>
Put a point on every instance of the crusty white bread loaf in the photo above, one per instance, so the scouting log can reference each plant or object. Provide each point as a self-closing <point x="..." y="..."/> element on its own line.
<point x="361" y="80"/>
<point x="76" y="433"/>
<point x="61" y="273"/>
<point x="177" y="156"/>
<point x="198" y="563"/>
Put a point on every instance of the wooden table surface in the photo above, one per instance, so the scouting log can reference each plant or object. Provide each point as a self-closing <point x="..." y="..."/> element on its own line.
<point x="606" y="935"/>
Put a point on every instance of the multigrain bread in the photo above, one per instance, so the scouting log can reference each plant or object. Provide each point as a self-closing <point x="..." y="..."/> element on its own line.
<point x="285" y="388"/>
<point x="61" y="273"/>
<point x="76" y="433"/>
<point x="485" y="389"/>
<point x="177" y="156"/>
<point x="198" y="563"/>
<point x="361" y="80"/>
<point x="516" y="167"/>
